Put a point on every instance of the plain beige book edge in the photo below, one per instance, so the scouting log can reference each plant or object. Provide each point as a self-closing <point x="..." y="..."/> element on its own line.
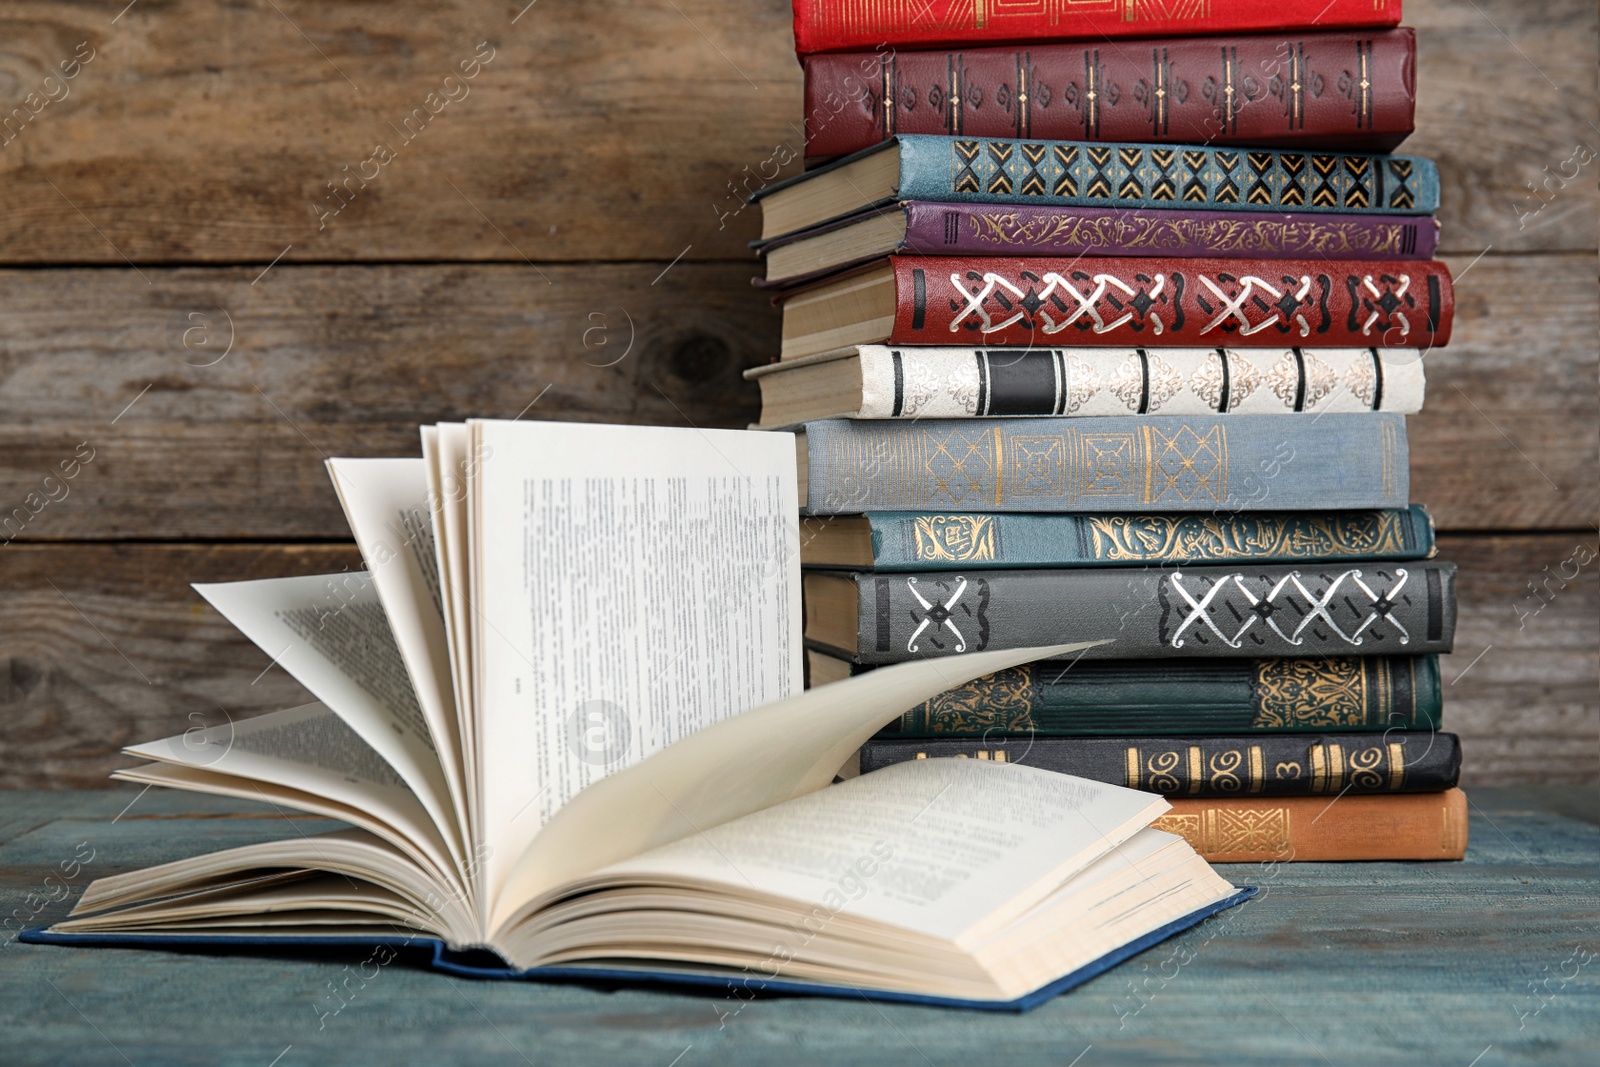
<point x="877" y="234"/>
<point x="856" y="309"/>
<point x="840" y="191"/>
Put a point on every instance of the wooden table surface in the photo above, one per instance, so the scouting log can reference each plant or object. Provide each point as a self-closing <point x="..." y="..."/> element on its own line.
<point x="1487" y="962"/>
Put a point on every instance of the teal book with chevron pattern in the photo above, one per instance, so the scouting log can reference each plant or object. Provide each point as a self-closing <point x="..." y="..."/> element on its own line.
<point x="1085" y="174"/>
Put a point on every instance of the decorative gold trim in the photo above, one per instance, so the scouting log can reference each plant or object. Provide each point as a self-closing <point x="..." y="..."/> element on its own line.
<point x="1327" y="767"/>
<point x="1212" y="538"/>
<point x="1292" y="694"/>
<point x="1002" y="701"/>
<point x="953" y="538"/>
<point x="1150" y="232"/>
<point x="1257" y="831"/>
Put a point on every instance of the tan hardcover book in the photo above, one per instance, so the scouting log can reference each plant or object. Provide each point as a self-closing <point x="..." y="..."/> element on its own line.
<point x="1410" y="826"/>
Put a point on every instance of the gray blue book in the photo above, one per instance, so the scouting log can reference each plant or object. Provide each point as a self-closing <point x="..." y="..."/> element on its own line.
<point x="1136" y="463"/>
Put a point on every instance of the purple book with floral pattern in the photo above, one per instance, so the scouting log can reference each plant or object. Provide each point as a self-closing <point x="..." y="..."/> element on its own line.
<point x="921" y="227"/>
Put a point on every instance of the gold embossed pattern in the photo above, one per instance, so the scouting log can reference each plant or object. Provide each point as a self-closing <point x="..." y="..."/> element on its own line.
<point x="1299" y="693"/>
<point x="1211" y="538"/>
<point x="1001" y="701"/>
<point x="1157" y="234"/>
<point x="953" y="538"/>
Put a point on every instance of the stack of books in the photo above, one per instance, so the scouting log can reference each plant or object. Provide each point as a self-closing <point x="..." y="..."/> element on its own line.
<point x="1115" y="341"/>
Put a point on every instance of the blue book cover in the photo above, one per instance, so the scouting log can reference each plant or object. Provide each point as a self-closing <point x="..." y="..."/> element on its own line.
<point x="741" y="983"/>
<point x="933" y="541"/>
<point x="1136" y="463"/>
<point x="1193" y="177"/>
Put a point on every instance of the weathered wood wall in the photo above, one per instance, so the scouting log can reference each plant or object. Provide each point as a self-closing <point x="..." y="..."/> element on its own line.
<point x="180" y="300"/>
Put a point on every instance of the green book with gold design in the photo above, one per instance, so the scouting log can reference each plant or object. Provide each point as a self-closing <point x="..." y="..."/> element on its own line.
<point x="916" y="541"/>
<point x="1220" y="697"/>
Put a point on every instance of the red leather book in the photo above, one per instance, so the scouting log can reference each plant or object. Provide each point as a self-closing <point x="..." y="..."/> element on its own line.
<point x="1157" y="302"/>
<point x="847" y="25"/>
<point x="1346" y="89"/>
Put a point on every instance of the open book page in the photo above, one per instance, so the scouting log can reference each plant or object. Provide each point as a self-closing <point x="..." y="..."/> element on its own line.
<point x="446" y="450"/>
<point x="387" y="504"/>
<point x="947" y="848"/>
<point x="447" y="501"/>
<point x="634" y="584"/>
<point x="404" y="853"/>
<point x="363" y="877"/>
<point x="1149" y="881"/>
<point x="744" y="764"/>
<point x="330" y="633"/>
<point x="310" y="749"/>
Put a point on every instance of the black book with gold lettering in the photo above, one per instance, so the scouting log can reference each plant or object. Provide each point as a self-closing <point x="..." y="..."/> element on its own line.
<point x="1258" y="765"/>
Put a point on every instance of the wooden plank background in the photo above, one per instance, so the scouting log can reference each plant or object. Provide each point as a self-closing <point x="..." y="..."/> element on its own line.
<point x="180" y="301"/>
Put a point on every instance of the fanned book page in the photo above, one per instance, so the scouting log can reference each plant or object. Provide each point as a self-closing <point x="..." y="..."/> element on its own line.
<point x="633" y="584"/>
<point x="388" y="505"/>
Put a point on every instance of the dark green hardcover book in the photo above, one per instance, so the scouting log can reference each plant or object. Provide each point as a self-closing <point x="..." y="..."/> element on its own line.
<point x="1273" y="765"/>
<point x="892" y="541"/>
<point x="1248" y="611"/>
<point x="1063" y="698"/>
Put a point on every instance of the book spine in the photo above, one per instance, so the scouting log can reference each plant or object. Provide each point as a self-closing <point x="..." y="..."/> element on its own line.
<point x="1268" y="765"/>
<point x="929" y="382"/>
<point x="1003" y="300"/>
<point x="1272" y="610"/>
<point x="842" y="25"/>
<point x="940" y="541"/>
<point x="1133" y="463"/>
<point x="1352" y="90"/>
<point x="1398" y="826"/>
<point x="1086" y="174"/>
<point x="1029" y="230"/>
<point x="1065" y="698"/>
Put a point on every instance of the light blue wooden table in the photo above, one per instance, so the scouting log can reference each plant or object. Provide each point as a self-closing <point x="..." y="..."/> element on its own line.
<point x="1492" y="961"/>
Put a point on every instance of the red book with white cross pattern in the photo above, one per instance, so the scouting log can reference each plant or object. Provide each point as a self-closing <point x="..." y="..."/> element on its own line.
<point x="1145" y="302"/>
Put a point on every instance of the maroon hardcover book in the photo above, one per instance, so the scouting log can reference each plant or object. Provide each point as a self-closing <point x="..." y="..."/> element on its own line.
<point x="1171" y="302"/>
<point x="1346" y="89"/>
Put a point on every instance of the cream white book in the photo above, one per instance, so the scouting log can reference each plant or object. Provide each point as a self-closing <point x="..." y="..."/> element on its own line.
<point x="932" y="382"/>
<point x="561" y="714"/>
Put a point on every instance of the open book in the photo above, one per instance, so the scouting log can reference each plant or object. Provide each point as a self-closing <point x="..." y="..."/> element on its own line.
<point x="561" y="713"/>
